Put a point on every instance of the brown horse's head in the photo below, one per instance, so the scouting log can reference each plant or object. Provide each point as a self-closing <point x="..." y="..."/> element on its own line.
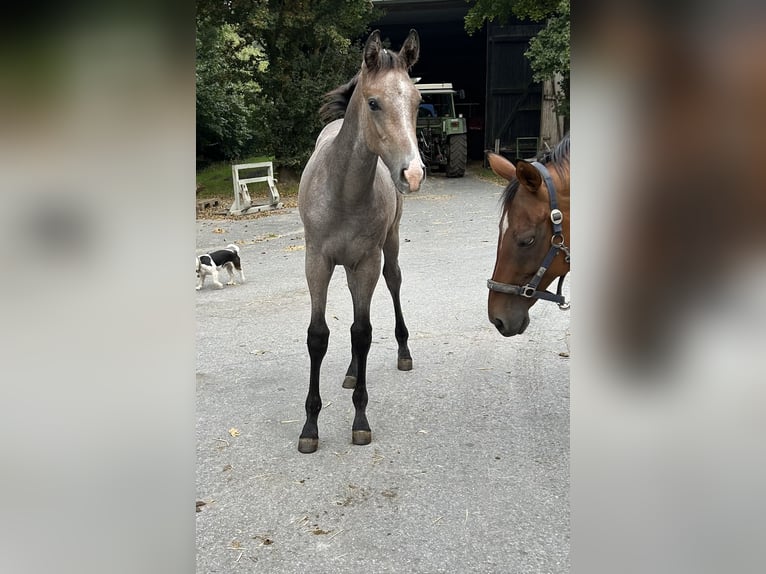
<point x="526" y="234"/>
<point x="390" y="108"/>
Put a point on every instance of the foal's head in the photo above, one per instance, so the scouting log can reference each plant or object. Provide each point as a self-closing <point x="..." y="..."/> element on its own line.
<point x="526" y="234"/>
<point x="389" y="107"/>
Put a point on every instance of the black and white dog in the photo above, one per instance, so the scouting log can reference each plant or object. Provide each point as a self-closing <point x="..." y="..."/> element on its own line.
<point x="209" y="263"/>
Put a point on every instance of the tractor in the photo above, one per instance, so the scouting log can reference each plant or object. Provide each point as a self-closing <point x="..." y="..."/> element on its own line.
<point x="442" y="134"/>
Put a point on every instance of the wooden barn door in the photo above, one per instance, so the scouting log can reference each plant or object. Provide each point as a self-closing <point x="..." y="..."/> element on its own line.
<point x="513" y="99"/>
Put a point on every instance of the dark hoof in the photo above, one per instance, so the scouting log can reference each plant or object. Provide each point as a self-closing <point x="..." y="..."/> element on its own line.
<point x="307" y="445"/>
<point x="349" y="382"/>
<point x="361" y="437"/>
<point x="404" y="364"/>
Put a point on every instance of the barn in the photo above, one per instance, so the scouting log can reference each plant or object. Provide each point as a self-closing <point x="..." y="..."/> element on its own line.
<point x="501" y="102"/>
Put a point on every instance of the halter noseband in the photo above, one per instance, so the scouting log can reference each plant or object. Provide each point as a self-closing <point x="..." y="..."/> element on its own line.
<point x="557" y="244"/>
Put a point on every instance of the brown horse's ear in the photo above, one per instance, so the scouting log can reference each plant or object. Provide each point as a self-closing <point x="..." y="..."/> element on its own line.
<point x="371" y="50"/>
<point x="410" y="49"/>
<point x="528" y="175"/>
<point x="501" y="166"/>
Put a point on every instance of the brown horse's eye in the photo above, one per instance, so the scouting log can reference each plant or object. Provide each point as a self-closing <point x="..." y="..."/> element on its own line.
<point x="526" y="242"/>
<point x="373" y="103"/>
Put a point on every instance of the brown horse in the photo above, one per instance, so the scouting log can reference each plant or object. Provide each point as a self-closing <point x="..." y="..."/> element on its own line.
<point x="533" y="243"/>
<point x="350" y="202"/>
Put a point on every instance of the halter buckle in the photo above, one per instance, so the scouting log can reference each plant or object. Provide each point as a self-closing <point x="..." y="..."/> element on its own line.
<point x="556" y="216"/>
<point x="527" y="291"/>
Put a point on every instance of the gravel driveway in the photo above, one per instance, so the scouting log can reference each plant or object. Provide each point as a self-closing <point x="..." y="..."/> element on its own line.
<point x="468" y="470"/>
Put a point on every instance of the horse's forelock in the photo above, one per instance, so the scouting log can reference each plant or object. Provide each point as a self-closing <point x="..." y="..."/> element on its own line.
<point x="386" y="60"/>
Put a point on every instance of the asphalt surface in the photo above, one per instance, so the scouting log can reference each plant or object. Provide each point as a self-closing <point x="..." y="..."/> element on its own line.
<point x="468" y="470"/>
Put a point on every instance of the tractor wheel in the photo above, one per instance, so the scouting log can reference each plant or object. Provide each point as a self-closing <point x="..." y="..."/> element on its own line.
<point x="458" y="155"/>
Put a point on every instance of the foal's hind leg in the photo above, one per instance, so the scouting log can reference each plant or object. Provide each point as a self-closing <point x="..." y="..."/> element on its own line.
<point x="350" y="381"/>
<point x="318" y="274"/>
<point x="393" y="277"/>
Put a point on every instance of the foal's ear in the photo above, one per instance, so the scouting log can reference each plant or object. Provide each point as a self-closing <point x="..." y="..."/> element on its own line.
<point x="528" y="175"/>
<point x="371" y="50"/>
<point x="410" y="49"/>
<point x="501" y="166"/>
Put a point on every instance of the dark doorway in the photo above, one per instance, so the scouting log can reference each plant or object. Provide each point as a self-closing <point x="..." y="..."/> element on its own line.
<point x="447" y="54"/>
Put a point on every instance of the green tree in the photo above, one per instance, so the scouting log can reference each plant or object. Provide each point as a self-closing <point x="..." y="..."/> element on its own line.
<point x="225" y="91"/>
<point x="548" y="52"/>
<point x="300" y="49"/>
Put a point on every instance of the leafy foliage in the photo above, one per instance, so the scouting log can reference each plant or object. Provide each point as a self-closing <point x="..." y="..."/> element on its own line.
<point x="225" y="90"/>
<point x="291" y="53"/>
<point x="548" y="52"/>
<point x="502" y="10"/>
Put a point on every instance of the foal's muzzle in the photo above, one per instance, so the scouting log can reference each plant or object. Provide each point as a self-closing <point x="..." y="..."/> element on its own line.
<point x="412" y="176"/>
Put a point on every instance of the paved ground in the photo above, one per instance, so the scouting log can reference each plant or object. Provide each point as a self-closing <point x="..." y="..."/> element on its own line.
<point x="468" y="471"/>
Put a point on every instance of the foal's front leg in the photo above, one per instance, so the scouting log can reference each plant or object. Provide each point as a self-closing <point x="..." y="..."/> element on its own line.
<point x="318" y="274"/>
<point x="361" y="283"/>
<point x="361" y="339"/>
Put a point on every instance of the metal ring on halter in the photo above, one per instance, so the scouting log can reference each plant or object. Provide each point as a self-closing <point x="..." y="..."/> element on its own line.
<point x="527" y="291"/>
<point x="553" y="240"/>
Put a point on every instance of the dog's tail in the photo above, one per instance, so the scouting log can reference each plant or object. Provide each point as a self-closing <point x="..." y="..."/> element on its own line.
<point x="233" y="248"/>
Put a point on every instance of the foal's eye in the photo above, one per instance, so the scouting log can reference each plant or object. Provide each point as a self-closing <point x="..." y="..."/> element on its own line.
<point x="373" y="103"/>
<point x="527" y="242"/>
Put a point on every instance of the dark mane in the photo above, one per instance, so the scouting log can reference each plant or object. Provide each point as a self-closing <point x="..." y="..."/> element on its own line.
<point x="336" y="101"/>
<point x="558" y="157"/>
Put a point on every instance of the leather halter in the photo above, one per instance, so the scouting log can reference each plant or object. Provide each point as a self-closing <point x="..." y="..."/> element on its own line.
<point x="530" y="290"/>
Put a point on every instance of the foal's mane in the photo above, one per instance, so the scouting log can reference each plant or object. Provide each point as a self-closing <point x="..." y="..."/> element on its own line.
<point x="558" y="157"/>
<point x="336" y="101"/>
